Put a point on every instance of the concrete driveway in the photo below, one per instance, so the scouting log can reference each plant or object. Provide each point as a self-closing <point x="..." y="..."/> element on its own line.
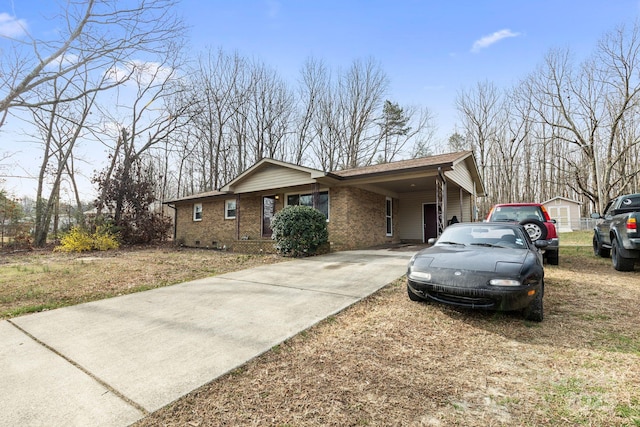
<point x="111" y="362"/>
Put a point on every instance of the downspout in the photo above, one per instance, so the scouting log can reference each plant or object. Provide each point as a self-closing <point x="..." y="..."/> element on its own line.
<point x="237" y="216"/>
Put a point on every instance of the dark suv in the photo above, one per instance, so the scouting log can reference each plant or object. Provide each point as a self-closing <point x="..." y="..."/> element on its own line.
<point x="535" y="219"/>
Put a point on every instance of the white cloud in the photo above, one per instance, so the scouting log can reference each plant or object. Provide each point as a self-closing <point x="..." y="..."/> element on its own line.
<point x="487" y="41"/>
<point x="63" y="60"/>
<point x="12" y="27"/>
<point x="144" y="73"/>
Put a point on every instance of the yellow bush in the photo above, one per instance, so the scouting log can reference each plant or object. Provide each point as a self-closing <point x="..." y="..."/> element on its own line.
<point x="103" y="240"/>
<point x="80" y="240"/>
<point x="76" y="240"/>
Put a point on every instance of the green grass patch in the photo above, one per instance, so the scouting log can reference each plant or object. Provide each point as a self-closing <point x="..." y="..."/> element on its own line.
<point x="31" y="309"/>
<point x="617" y="342"/>
<point x="573" y="401"/>
<point x="630" y="411"/>
<point x="577" y="238"/>
<point x="594" y="317"/>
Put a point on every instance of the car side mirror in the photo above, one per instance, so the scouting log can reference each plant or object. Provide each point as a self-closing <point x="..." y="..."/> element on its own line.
<point x="541" y="244"/>
<point x="553" y="221"/>
<point x="432" y="241"/>
<point x="596" y="215"/>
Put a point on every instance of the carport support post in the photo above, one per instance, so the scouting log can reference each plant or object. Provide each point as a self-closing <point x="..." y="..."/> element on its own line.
<point x="441" y="201"/>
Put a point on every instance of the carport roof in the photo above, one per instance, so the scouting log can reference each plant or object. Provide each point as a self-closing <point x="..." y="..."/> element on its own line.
<point x="405" y="165"/>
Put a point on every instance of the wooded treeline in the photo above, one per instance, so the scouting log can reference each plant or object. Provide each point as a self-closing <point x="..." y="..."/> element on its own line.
<point x="567" y="129"/>
<point x="120" y="81"/>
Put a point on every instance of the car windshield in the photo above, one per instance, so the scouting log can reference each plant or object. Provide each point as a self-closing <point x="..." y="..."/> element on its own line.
<point x="483" y="235"/>
<point x="516" y="213"/>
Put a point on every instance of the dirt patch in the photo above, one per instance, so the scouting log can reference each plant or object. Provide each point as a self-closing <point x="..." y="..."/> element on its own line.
<point x="388" y="361"/>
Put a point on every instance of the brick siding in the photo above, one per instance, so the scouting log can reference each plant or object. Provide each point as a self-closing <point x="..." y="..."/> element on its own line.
<point x="216" y="232"/>
<point x="357" y="219"/>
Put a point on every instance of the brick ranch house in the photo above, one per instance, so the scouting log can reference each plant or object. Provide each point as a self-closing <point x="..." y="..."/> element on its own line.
<point x="404" y="201"/>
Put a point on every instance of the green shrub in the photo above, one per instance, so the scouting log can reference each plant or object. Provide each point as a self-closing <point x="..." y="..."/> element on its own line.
<point x="80" y="240"/>
<point x="299" y="231"/>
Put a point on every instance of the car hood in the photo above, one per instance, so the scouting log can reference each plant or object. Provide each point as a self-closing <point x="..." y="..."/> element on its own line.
<point x="480" y="259"/>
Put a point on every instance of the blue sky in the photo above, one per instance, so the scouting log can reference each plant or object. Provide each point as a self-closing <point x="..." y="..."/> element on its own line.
<point x="430" y="50"/>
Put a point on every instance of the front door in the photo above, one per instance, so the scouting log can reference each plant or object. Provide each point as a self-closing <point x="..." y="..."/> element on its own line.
<point x="268" y="211"/>
<point x="430" y="221"/>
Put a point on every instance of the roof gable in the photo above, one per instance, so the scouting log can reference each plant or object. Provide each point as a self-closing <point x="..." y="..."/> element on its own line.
<point x="566" y="199"/>
<point x="269" y="174"/>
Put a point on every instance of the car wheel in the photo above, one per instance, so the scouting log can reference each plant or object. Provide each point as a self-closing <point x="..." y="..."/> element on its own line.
<point x="536" y="229"/>
<point x="598" y="250"/>
<point x="552" y="257"/>
<point x="620" y="263"/>
<point x="535" y="310"/>
<point x="412" y="296"/>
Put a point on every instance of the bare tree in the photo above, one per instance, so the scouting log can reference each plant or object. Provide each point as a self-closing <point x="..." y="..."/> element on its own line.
<point x="93" y="35"/>
<point x="361" y="93"/>
<point x="147" y="120"/>
<point x="219" y="90"/>
<point x="61" y="126"/>
<point x="270" y="112"/>
<point x="313" y="84"/>
<point x="481" y="111"/>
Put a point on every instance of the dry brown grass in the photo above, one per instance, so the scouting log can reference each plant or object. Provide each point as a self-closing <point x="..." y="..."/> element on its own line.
<point x="41" y="280"/>
<point x="387" y="361"/>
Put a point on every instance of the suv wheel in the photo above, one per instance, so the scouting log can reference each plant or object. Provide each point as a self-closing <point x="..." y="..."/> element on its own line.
<point x="552" y="257"/>
<point x="535" y="228"/>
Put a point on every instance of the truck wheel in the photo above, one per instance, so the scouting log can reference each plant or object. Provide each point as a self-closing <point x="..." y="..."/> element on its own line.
<point x="536" y="229"/>
<point x="620" y="263"/>
<point x="598" y="250"/>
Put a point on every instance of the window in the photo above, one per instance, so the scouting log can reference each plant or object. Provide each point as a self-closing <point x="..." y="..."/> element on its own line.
<point x="389" y="207"/>
<point x="197" y="212"/>
<point x="321" y="203"/>
<point x="229" y="209"/>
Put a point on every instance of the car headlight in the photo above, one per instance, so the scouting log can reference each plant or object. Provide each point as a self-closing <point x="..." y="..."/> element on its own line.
<point x="504" y="282"/>
<point x="418" y="275"/>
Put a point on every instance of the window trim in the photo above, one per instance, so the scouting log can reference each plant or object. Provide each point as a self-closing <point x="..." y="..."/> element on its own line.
<point x="226" y="208"/>
<point x="388" y="215"/>
<point x="197" y="209"/>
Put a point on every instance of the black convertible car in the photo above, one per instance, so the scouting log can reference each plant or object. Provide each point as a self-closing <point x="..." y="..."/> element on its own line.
<point x="491" y="266"/>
